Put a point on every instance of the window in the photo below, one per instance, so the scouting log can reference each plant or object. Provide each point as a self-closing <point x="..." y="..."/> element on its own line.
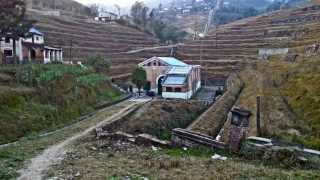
<point x="37" y="38"/>
<point x="8" y="53"/>
<point x="177" y="89"/>
<point x="7" y="40"/>
<point x="168" y="89"/>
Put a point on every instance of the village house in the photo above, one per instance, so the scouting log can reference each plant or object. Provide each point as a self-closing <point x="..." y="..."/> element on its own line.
<point x="172" y="78"/>
<point x="106" y="17"/>
<point x="31" y="49"/>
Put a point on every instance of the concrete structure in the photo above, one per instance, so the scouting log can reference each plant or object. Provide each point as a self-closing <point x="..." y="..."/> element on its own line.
<point x="172" y="78"/>
<point x="106" y="17"/>
<point x="31" y="49"/>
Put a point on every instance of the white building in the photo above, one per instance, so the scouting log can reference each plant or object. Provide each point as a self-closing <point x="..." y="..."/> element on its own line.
<point x="32" y="49"/>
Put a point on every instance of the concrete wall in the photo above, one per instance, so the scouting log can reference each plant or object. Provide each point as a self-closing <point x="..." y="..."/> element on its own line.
<point x="265" y="52"/>
<point x="212" y="120"/>
<point x="177" y="95"/>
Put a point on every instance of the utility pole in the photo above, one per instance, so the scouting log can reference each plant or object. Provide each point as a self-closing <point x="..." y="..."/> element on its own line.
<point x="258" y="116"/>
<point x="70" y="50"/>
<point x="212" y="14"/>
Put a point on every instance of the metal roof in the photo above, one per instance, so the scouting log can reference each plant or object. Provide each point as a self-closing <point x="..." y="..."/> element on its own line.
<point x="35" y="31"/>
<point x="173" y="61"/>
<point x="180" y="70"/>
<point x="175" y="80"/>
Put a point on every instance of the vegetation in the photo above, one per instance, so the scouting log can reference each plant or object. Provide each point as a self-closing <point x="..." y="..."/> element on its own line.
<point x="163" y="31"/>
<point x="158" y="118"/>
<point x="139" y="78"/>
<point x="50" y="96"/>
<point x="139" y="13"/>
<point x="289" y="93"/>
<point x="99" y="63"/>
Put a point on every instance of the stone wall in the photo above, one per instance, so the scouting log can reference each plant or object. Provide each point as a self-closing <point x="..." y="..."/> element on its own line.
<point x="212" y="120"/>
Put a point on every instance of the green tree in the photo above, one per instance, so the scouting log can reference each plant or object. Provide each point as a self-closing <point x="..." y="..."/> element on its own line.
<point x="139" y="13"/>
<point x="99" y="63"/>
<point x="13" y="23"/>
<point x="139" y="78"/>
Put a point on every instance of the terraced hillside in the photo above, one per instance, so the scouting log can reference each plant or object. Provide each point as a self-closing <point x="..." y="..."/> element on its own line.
<point x="232" y="45"/>
<point x="81" y="38"/>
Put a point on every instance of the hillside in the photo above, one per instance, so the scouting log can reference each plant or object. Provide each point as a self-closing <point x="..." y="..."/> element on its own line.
<point x="48" y="97"/>
<point x="232" y="45"/>
<point x="66" y="6"/>
<point x="81" y="38"/>
<point x="273" y="54"/>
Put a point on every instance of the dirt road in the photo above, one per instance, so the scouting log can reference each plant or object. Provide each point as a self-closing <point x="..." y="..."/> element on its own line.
<point x="39" y="165"/>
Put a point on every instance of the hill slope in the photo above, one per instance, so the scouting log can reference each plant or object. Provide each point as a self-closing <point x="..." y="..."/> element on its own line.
<point x="81" y="38"/>
<point x="224" y="50"/>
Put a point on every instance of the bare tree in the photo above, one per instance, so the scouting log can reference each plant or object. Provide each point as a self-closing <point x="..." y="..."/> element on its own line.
<point x="94" y="9"/>
<point x="118" y="8"/>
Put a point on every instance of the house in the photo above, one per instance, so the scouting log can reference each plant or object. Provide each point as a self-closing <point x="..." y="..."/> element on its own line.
<point x="172" y="78"/>
<point x="31" y="49"/>
<point x="106" y="17"/>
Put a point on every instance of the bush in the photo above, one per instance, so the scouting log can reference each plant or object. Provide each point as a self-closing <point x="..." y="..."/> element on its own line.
<point x="99" y="63"/>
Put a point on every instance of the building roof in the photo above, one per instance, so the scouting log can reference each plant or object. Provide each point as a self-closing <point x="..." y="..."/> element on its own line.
<point x="35" y="31"/>
<point x="175" y="80"/>
<point x="180" y="70"/>
<point x="173" y="61"/>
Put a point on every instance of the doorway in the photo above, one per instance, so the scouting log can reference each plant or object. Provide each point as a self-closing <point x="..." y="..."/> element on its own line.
<point x="33" y="54"/>
<point x="160" y="81"/>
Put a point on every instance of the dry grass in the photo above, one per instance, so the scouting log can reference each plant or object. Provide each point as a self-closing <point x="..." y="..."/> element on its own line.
<point x="289" y="94"/>
<point x="140" y="162"/>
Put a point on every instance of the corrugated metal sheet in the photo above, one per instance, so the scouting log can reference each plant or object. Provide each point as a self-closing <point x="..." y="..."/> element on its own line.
<point x="35" y="31"/>
<point x="175" y="80"/>
<point x="173" y="61"/>
<point x="180" y="70"/>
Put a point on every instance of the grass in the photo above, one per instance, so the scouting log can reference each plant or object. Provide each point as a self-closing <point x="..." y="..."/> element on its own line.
<point x="13" y="157"/>
<point x="290" y="99"/>
<point x="140" y="162"/>
<point x="61" y="93"/>
<point x="187" y="152"/>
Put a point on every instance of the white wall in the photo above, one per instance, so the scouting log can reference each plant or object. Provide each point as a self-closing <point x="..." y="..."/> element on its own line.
<point x="9" y="46"/>
<point x="37" y="39"/>
<point x="177" y="95"/>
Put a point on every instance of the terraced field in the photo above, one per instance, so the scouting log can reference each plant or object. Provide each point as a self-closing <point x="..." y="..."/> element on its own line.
<point x="232" y="45"/>
<point x="81" y="38"/>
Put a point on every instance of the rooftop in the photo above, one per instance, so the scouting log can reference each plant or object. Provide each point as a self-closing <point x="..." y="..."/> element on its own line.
<point x="180" y="70"/>
<point x="35" y="31"/>
<point x="173" y="61"/>
<point x="175" y="80"/>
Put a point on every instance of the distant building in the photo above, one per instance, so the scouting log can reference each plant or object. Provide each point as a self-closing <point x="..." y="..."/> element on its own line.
<point x="31" y="49"/>
<point x="172" y="78"/>
<point x="106" y="17"/>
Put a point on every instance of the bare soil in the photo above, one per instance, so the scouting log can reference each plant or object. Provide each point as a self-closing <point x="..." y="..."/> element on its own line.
<point x="158" y="116"/>
<point x="54" y="154"/>
<point x="111" y="159"/>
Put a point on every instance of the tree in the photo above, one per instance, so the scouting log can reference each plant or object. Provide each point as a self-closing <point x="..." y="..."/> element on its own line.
<point x="118" y="8"/>
<point x="94" y="9"/>
<point x="139" y="78"/>
<point x="13" y="23"/>
<point x="99" y="63"/>
<point x="139" y="13"/>
<point x="166" y="33"/>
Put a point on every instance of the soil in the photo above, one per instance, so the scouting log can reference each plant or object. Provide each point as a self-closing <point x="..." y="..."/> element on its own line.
<point x="158" y="116"/>
<point x="114" y="159"/>
<point x="54" y="154"/>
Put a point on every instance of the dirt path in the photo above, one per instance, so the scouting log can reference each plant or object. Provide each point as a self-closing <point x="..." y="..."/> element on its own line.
<point x="54" y="154"/>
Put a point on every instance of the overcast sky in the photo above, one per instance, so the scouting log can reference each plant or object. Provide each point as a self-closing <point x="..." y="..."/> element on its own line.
<point x="123" y="3"/>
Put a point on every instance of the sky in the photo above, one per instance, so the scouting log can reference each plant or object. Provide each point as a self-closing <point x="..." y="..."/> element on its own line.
<point x="122" y="3"/>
